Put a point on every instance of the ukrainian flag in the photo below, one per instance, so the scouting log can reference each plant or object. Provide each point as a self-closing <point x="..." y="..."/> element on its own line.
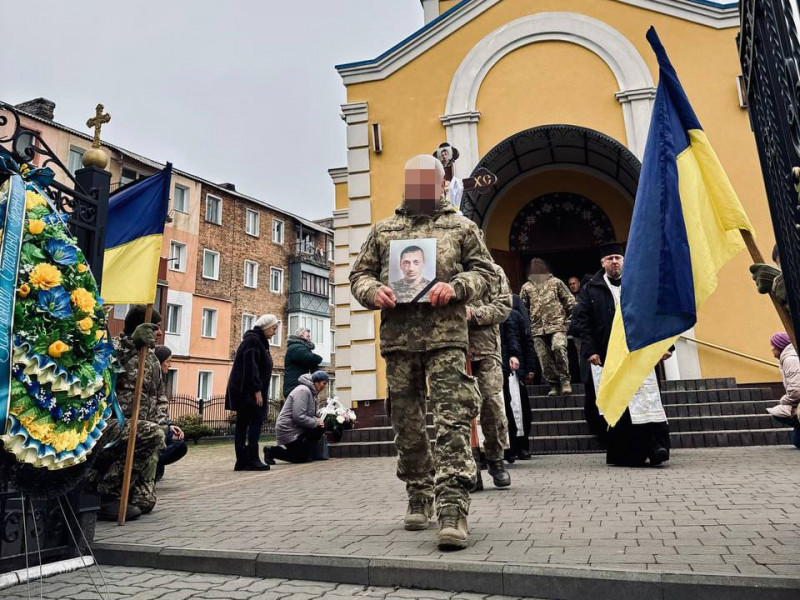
<point x="685" y="227"/>
<point x="136" y="217"/>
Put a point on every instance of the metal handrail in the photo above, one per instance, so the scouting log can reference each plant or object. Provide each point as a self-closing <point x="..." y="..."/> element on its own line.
<point x="730" y="351"/>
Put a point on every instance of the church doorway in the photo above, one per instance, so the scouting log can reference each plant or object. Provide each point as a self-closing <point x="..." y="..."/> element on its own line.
<point x="561" y="192"/>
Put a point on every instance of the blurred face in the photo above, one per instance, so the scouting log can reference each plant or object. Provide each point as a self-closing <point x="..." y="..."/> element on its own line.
<point x="423" y="187"/>
<point x="268" y="333"/>
<point x="166" y="365"/>
<point x="612" y="265"/>
<point x="574" y="285"/>
<point x="775" y="352"/>
<point x="411" y="264"/>
<point x="306" y="335"/>
<point x="320" y="385"/>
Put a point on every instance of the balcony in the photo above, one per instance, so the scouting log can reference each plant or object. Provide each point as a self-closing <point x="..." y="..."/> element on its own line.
<point x="309" y="303"/>
<point x="304" y="251"/>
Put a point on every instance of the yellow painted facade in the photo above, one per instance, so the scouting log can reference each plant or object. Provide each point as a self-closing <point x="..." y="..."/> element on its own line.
<point x="560" y="82"/>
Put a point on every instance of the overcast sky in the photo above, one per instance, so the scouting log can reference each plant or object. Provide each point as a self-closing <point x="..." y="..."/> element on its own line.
<point x="240" y="91"/>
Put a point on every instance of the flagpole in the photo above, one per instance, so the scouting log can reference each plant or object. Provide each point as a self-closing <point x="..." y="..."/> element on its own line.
<point x="132" y="422"/>
<point x="757" y="257"/>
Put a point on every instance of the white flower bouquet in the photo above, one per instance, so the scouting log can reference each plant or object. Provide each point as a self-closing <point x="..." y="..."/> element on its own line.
<point x="337" y="418"/>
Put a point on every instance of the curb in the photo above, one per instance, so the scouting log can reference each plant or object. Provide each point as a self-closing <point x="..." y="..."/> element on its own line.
<point x="537" y="581"/>
<point x="32" y="574"/>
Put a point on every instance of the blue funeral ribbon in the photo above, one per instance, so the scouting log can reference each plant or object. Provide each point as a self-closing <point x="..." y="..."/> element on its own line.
<point x="9" y="264"/>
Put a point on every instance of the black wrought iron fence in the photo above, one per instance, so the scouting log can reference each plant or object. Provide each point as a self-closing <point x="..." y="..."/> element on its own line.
<point x="215" y="416"/>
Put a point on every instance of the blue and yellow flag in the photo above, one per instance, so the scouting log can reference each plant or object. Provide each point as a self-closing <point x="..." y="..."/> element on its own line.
<point x="136" y="216"/>
<point x="685" y="227"/>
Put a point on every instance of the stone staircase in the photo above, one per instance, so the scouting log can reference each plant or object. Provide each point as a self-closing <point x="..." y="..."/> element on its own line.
<point x="702" y="413"/>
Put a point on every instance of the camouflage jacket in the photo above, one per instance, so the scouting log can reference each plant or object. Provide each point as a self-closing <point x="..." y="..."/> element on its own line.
<point x="487" y="314"/>
<point x="154" y="404"/>
<point x="461" y="260"/>
<point x="549" y="304"/>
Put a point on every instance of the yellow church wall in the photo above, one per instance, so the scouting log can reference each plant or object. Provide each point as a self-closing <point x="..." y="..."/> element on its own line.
<point x="409" y="102"/>
<point x="606" y="196"/>
<point x="518" y="93"/>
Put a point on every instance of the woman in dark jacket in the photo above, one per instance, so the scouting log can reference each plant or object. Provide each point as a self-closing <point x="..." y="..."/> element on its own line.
<point x="299" y="359"/>
<point x="248" y="391"/>
<point x="518" y="356"/>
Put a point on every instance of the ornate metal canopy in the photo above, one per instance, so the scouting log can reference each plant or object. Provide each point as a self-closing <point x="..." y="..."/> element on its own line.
<point x="566" y="145"/>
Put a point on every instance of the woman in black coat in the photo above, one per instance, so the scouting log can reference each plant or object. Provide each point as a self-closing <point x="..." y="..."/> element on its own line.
<point x="248" y="391"/>
<point x="518" y="356"/>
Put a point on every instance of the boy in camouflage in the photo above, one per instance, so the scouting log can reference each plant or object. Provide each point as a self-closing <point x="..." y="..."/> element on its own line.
<point x="427" y="343"/>
<point x="484" y="316"/>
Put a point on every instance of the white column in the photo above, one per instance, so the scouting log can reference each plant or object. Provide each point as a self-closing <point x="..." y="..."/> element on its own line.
<point x="462" y="132"/>
<point x="637" y="107"/>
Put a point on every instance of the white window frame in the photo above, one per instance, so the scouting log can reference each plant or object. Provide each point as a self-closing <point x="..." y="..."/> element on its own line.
<point x="185" y="190"/>
<point x="206" y="253"/>
<point x="277" y="339"/>
<point x="246" y="328"/>
<point x="177" y="320"/>
<point x="333" y="341"/>
<point x="330" y="249"/>
<point x="331" y="293"/>
<point x="214" y="313"/>
<point x="280" y="287"/>
<point x="282" y="231"/>
<point x="254" y="283"/>
<point x="174" y="391"/>
<point x="210" y="390"/>
<point x="180" y="264"/>
<point x="136" y="177"/>
<point x="218" y="199"/>
<point x="275" y="386"/>
<point x="79" y="152"/>
<point x="257" y="221"/>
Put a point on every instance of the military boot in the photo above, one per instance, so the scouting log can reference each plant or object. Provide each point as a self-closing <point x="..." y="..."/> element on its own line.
<point x="418" y="514"/>
<point x="566" y="387"/>
<point x="241" y="458"/>
<point x="499" y="474"/>
<point x="476" y="456"/>
<point x="453" y="533"/>
<point x="253" y="463"/>
<point x="555" y="389"/>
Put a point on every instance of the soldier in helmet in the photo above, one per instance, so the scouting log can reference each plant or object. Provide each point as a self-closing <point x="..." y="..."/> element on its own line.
<point x="425" y="348"/>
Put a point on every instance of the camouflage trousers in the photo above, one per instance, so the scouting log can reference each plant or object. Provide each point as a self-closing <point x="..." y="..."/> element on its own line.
<point x="552" y="352"/>
<point x="149" y="442"/>
<point x="493" y="420"/>
<point x="447" y="473"/>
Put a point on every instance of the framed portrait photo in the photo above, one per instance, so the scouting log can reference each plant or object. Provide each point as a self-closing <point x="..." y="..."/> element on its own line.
<point x="412" y="269"/>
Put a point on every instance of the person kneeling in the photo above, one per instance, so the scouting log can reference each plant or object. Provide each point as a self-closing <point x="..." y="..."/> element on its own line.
<point x="298" y="428"/>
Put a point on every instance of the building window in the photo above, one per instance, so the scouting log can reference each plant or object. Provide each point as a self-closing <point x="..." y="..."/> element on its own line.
<point x="314" y="324"/>
<point x="248" y="321"/>
<point x="172" y="382"/>
<point x="306" y="243"/>
<point x="205" y="384"/>
<point x="252" y="222"/>
<point x="127" y="176"/>
<point x="173" y="324"/>
<point x="177" y="257"/>
<point x="250" y="274"/>
<point x="213" y="209"/>
<point x="277" y="231"/>
<point x="180" y="199"/>
<point x="332" y="387"/>
<point x="275" y="280"/>
<point x="333" y="341"/>
<point x="209" y="324"/>
<point x="330" y="249"/>
<point x="75" y="159"/>
<point x="314" y="284"/>
<point x="277" y="339"/>
<point x="274" y="387"/>
<point x="210" y="264"/>
<point x="331" y="292"/>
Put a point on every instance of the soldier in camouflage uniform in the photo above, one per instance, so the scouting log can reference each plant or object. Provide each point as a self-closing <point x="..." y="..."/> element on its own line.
<point x="151" y="426"/>
<point x="484" y="316"/>
<point x="550" y="305"/>
<point x="426" y="344"/>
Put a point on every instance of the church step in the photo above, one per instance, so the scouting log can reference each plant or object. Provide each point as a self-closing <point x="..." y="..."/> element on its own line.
<point x="698" y="409"/>
<point x="667" y="397"/>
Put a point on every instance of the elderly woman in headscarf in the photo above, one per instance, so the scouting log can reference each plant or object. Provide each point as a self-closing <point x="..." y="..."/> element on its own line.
<point x="248" y="391"/>
<point x="786" y="410"/>
<point x="299" y="360"/>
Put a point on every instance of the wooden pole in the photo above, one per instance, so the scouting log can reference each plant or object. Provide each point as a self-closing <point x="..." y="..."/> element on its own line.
<point x="132" y="422"/>
<point x="757" y="257"/>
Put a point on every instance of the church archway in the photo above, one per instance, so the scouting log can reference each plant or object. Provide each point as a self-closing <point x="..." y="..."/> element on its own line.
<point x="565" y="189"/>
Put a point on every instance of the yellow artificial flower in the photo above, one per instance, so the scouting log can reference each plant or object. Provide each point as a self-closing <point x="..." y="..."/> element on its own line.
<point x="45" y="276"/>
<point x="66" y="440"/>
<point x="58" y="348"/>
<point x="86" y="324"/>
<point x="99" y="334"/>
<point x="24" y="290"/>
<point x="82" y="268"/>
<point x="83" y="299"/>
<point x="33" y="199"/>
<point x="36" y="226"/>
<point x="38" y="431"/>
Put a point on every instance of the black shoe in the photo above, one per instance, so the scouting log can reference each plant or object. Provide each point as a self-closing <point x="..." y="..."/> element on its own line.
<point x="524" y="455"/>
<point x="253" y="462"/>
<point x="241" y="459"/>
<point x="500" y="476"/>
<point x="109" y="511"/>
<point x="661" y="455"/>
<point x="510" y="456"/>
<point x="268" y="455"/>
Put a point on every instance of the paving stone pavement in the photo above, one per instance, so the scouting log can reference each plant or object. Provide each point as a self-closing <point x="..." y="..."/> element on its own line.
<point x="130" y="583"/>
<point x="715" y="511"/>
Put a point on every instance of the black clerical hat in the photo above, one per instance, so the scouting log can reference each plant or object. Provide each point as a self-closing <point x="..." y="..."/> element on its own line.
<point x="610" y="248"/>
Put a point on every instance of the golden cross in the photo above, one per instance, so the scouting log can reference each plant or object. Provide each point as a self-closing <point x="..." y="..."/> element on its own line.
<point x="97" y="122"/>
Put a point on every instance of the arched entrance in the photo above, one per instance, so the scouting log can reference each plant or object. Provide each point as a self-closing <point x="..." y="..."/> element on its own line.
<point x="561" y="191"/>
